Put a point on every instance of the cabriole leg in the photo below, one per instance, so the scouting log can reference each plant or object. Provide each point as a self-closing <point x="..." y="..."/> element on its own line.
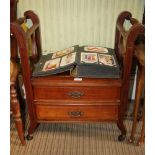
<point x="32" y="128"/>
<point x="122" y="129"/>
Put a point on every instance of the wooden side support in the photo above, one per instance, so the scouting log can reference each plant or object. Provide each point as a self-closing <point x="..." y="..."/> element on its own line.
<point x="140" y="55"/>
<point x="22" y="41"/>
<point x="15" y="106"/>
<point x="125" y="47"/>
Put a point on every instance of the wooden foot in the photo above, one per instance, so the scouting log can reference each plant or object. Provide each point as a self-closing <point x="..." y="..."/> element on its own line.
<point x="29" y="137"/>
<point x="140" y="143"/>
<point x="131" y="140"/>
<point x="123" y="131"/>
<point x="32" y="128"/>
<point x="121" y="137"/>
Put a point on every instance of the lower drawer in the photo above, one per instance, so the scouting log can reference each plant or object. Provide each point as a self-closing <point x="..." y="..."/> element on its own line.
<point x="76" y="113"/>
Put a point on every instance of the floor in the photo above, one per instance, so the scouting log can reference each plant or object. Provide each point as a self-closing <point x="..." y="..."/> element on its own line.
<point x="76" y="139"/>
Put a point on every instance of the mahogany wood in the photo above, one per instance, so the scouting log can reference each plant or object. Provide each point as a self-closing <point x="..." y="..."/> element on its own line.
<point x="13" y="17"/>
<point x="60" y="98"/>
<point x="15" y="106"/>
<point x="140" y="55"/>
<point x="77" y="93"/>
<point x="76" y="113"/>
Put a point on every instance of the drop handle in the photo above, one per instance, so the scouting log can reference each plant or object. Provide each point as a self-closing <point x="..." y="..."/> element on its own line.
<point x="75" y="113"/>
<point x="75" y="94"/>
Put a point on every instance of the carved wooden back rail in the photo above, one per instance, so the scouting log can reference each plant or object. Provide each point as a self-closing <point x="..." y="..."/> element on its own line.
<point x="22" y="41"/>
<point x="124" y="47"/>
<point x="125" y="40"/>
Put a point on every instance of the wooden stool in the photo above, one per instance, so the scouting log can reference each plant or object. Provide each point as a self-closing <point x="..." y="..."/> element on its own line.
<point x="60" y="97"/>
<point x="140" y="55"/>
<point x="15" y="107"/>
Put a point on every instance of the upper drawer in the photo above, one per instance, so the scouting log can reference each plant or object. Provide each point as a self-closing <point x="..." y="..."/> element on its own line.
<point x="76" y="93"/>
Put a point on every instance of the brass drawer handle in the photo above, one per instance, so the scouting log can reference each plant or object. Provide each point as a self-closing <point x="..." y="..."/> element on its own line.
<point x="75" y="113"/>
<point x="76" y="94"/>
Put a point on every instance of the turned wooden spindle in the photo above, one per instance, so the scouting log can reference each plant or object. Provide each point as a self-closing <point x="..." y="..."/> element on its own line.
<point x="15" y="106"/>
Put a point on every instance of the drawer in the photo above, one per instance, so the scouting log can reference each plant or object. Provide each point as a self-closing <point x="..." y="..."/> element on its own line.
<point x="77" y="93"/>
<point x="76" y="113"/>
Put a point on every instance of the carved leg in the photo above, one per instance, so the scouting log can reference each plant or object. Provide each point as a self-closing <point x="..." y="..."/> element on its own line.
<point x="16" y="113"/>
<point x="121" y="114"/>
<point x="19" y="126"/>
<point x="123" y="130"/>
<point x="32" y="128"/>
<point x="139" y="89"/>
<point x="141" y="139"/>
<point x="22" y="103"/>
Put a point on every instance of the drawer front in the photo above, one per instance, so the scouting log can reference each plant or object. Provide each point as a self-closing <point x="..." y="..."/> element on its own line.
<point x="76" y="93"/>
<point x="76" y="113"/>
